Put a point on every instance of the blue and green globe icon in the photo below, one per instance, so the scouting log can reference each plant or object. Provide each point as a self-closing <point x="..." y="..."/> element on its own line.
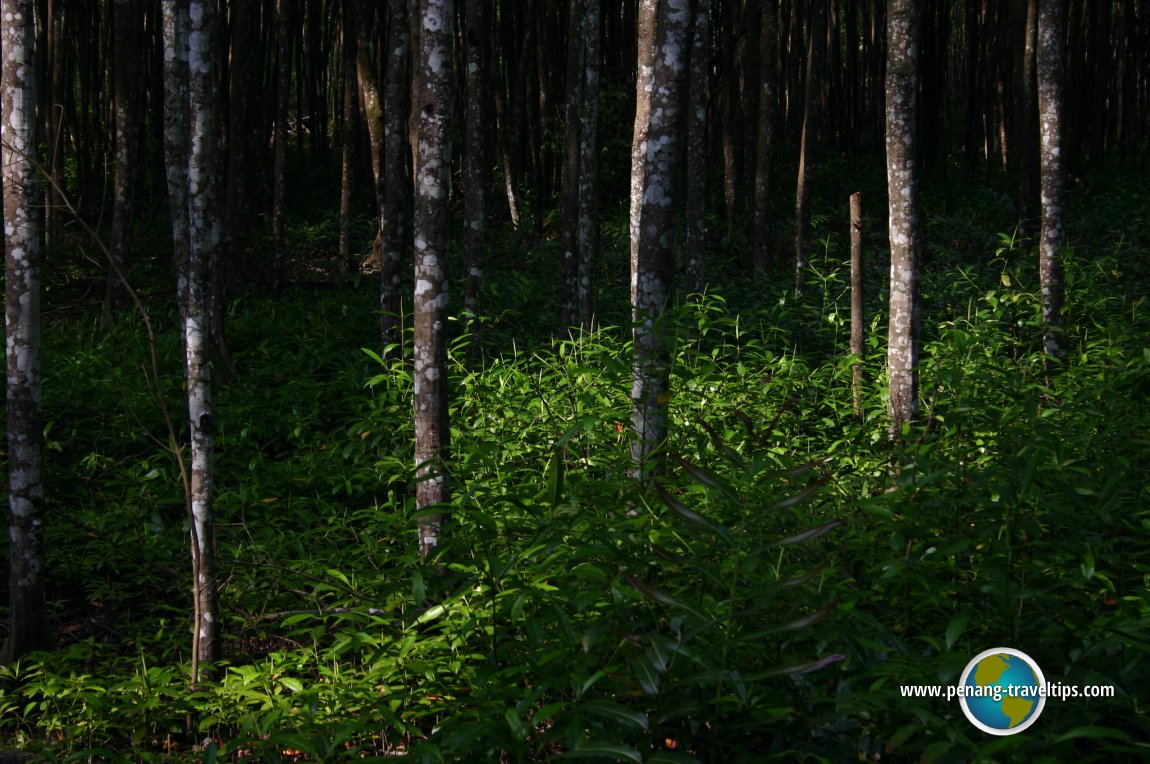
<point x="1002" y="691"/>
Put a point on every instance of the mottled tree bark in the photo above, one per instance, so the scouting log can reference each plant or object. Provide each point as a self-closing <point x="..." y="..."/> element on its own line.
<point x="809" y="149"/>
<point x="28" y="629"/>
<point x="432" y="235"/>
<point x="581" y="166"/>
<point x="194" y="89"/>
<point x="902" y="189"/>
<point x="764" y="144"/>
<point x="1050" y="108"/>
<point x="698" y="95"/>
<point x="657" y="150"/>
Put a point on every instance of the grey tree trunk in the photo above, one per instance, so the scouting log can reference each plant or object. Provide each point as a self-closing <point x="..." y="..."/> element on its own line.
<point x="902" y="190"/>
<point x="192" y="86"/>
<point x="28" y="628"/>
<point x="698" y="87"/>
<point x="858" y="327"/>
<point x="1052" y="239"/>
<point x="433" y="74"/>
<point x="656" y="155"/>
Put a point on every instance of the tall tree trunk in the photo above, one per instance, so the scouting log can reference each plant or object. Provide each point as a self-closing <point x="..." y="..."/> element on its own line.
<point x="656" y="154"/>
<point x="193" y="91"/>
<point x="432" y="235"/>
<point x="580" y="163"/>
<point x="475" y="154"/>
<point x="127" y="123"/>
<point x="809" y="150"/>
<point x="1025" y="118"/>
<point x="902" y="189"/>
<point x="699" y="96"/>
<point x="397" y="191"/>
<point x="349" y="43"/>
<point x="1050" y="106"/>
<point x="279" y="140"/>
<point x="588" y="229"/>
<point x="28" y="629"/>
<point x="764" y="144"/>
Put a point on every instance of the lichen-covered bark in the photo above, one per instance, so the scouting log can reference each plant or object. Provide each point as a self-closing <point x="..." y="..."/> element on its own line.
<point x="27" y="625"/>
<point x="698" y="87"/>
<point x="657" y="152"/>
<point x="431" y="237"/>
<point x="1050" y="116"/>
<point x="902" y="190"/>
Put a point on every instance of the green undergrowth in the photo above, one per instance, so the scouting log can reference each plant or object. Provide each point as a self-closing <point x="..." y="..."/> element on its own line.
<point x="763" y="600"/>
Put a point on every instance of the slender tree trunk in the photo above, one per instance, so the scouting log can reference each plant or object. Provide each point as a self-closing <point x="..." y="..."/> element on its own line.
<point x="28" y="628"/>
<point x="764" y="145"/>
<point x="655" y="155"/>
<point x="397" y="191"/>
<point x="127" y="123"/>
<point x="580" y="170"/>
<point x="902" y="189"/>
<point x="279" y="155"/>
<point x="1053" y="235"/>
<point x="475" y="154"/>
<point x="808" y="152"/>
<point x="569" y="307"/>
<point x="1025" y="132"/>
<point x="348" y="45"/>
<point x="588" y="203"/>
<point x="192" y="94"/>
<point x="699" y="96"/>
<point x="858" y="327"/>
<point x="432" y="179"/>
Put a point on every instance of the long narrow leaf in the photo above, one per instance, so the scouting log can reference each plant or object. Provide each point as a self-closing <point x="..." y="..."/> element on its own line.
<point x="800" y="668"/>
<point x="690" y="515"/>
<point x="800" y="497"/>
<point x="599" y="749"/>
<point x="801" y="623"/>
<point x="705" y="478"/>
<point x="611" y="710"/>
<point x="807" y="535"/>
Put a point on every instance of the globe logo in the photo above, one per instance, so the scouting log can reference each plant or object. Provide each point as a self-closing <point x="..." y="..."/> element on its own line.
<point x="1002" y="691"/>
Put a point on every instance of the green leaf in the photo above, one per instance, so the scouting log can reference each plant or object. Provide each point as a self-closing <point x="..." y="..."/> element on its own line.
<point x="1093" y="732"/>
<point x="708" y="479"/>
<point x="800" y="668"/>
<point x="619" y="713"/>
<point x="807" y="535"/>
<point x="646" y="674"/>
<point x="691" y="515"/>
<point x="800" y="497"/>
<point x="955" y="627"/>
<point x="600" y="749"/>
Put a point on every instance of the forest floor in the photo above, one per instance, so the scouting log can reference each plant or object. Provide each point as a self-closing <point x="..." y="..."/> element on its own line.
<point x="766" y="600"/>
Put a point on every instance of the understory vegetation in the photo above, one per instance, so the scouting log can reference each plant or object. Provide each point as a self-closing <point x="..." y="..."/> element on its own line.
<point x="763" y="601"/>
